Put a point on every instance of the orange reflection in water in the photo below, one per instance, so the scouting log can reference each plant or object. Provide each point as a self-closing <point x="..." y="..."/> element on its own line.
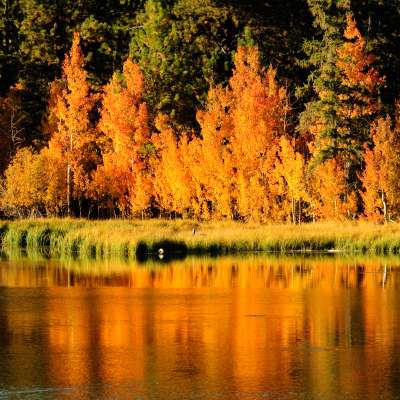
<point x="221" y="328"/>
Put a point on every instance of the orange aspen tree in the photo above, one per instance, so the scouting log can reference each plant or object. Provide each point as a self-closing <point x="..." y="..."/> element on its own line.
<point x="193" y="160"/>
<point x="241" y="127"/>
<point x="217" y="175"/>
<point x="189" y="150"/>
<point x="259" y="117"/>
<point x="73" y="134"/>
<point x="171" y="178"/>
<point x="124" y="175"/>
<point x="328" y="191"/>
<point x="382" y="173"/>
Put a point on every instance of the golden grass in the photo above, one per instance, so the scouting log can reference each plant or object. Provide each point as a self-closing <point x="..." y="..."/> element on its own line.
<point x="132" y="238"/>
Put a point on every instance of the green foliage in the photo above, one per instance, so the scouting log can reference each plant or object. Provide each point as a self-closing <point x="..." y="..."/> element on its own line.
<point x="9" y="39"/>
<point x="182" y="49"/>
<point x="278" y="28"/>
<point x="342" y="106"/>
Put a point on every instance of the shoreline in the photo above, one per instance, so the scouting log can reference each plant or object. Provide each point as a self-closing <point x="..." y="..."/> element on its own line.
<point x="136" y="238"/>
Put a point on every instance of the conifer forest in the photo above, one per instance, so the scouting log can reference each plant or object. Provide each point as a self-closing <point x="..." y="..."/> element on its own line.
<point x="262" y="111"/>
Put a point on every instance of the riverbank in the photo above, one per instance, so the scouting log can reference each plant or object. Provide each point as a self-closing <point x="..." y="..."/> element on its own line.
<point x="136" y="239"/>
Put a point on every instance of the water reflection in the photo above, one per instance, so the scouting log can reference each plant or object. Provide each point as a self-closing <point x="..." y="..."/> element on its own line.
<point x="228" y="328"/>
<point x="252" y="271"/>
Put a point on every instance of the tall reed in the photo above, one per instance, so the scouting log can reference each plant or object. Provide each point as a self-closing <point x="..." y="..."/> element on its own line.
<point x="135" y="239"/>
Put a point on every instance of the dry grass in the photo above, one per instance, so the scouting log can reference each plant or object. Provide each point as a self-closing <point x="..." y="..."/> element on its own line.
<point x="135" y="238"/>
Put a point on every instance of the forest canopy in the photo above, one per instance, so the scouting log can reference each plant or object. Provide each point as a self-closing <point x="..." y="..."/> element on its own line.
<point x="206" y="109"/>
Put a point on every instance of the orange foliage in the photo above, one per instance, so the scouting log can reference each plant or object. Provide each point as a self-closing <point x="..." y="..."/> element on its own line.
<point x="381" y="175"/>
<point x="217" y="173"/>
<point x="123" y="178"/>
<point x="330" y="199"/>
<point x="241" y="127"/>
<point x="358" y="75"/>
<point x="73" y="136"/>
<point x="355" y="63"/>
<point x="172" y="182"/>
<point x="290" y="171"/>
<point x="244" y="164"/>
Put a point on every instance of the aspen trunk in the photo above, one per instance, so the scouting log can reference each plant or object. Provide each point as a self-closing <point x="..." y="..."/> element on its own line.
<point x="383" y="197"/>
<point x="299" y="212"/>
<point x="69" y="189"/>
<point x="69" y="176"/>
<point x="293" y="211"/>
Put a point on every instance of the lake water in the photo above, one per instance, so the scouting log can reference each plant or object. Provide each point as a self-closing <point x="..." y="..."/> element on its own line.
<point x="251" y="327"/>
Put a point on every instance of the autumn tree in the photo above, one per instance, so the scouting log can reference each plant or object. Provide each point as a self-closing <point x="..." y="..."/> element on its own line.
<point x="358" y="99"/>
<point x="124" y="177"/>
<point x="216" y="154"/>
<point x="262" y="108"/>
<point x="240" y="128"/>
<point x="382" y="172"/>
<point x="25" y="185"/>
<point x="328" y="192"/>
<point x="172" y="180"/>
<point x="291" y="175"/>
<point x="74" y="136"/>
<point x="348" y="102"/>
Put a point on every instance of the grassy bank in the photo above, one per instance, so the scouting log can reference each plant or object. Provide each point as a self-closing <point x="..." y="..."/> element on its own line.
<point x="135" y="239"/>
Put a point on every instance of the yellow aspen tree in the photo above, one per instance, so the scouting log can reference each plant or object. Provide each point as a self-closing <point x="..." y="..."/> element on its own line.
<point x="189" y="146"/>
<point x="259" y="118"/>
<point x="24" y="184"/>
<point x="290" y="169"/>
<point x="54" y="175"/>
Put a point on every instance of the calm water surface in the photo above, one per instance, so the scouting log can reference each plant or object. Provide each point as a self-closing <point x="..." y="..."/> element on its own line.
<point x="229" y="328"/>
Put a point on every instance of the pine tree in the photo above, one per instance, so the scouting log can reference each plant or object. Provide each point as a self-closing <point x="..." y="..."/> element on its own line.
<point x="10" y="14"/>
<point x="348" y="100"/>
<point x="183" y="48"/>
<point x="358" y="99"/>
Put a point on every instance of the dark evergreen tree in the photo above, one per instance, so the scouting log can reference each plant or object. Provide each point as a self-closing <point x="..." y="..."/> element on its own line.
<point x="9" y="43"/>
<point x="321" y="91"/>
<point x="182" y="49"/>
